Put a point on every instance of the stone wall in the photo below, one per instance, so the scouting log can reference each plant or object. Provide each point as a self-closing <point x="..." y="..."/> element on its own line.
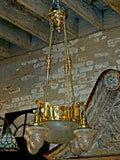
<point x="22" y="79"/>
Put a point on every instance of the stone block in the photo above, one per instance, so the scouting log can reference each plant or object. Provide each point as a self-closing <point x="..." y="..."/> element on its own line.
<point x="62" y="91"/>
<point x="8" y="87"/>
<point x="98" y="55"/>
<point x="118" y="61"/>
<point x="94" y="35"/>
<point x="86" y="69"/>
<point x="32" y="61"/>
<point x="102" y="65"/>
<point x="89" y="63"/>
<point x="16" y="99"/>
<point x="15" y="90"/>
<point x="33" y="91"/>
<point x="78" y="76"/>
<point x="113" y="42"/>
<point x="26" y="98"/>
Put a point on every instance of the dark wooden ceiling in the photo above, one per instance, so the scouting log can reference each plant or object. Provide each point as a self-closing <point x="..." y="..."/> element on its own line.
<point x="24" y="26"/>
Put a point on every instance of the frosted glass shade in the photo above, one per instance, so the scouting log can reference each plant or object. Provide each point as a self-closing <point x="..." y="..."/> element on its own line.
<point x="35" y="136"/>
<point x="75" y="147"/>
<point x="85" y="138"/>
<point x="60" y="131"/>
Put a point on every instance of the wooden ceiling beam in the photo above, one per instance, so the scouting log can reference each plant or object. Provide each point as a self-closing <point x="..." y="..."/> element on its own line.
<point x="111" y="19"/>
<point x="114" y="4"/>
<point x="93" y="16"/>
<point x="3" y="52"/>
<point x="24" y="20"/>
<point x="8" y="50"/>
<point x="4" y="49"/>
<point x="41" y="8"/>
<point x="14" y="35"/>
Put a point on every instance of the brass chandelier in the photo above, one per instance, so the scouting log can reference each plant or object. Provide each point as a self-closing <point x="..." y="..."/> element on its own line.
<point x="60" y="124"/>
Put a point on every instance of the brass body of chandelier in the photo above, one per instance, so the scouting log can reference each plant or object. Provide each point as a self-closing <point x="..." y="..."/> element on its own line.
<point x="59" y="124"/>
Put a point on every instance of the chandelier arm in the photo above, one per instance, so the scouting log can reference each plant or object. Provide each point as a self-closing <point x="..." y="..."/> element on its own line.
<point x="49" y="60"/>
<point x="66" y="61"/>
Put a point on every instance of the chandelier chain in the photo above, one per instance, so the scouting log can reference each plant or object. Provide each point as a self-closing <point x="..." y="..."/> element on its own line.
<point x="66" y="62"/>
<point x="70" y="64"/>
<point x="49" y="60"/>
<point x="58" y="4"/>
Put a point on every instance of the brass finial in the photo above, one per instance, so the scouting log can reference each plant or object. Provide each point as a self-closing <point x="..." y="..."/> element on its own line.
<point x="83" y="121"/>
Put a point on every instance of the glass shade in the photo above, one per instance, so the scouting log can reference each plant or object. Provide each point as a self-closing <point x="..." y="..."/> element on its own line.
<point x="35" y="136"/>
<point x="60" y="131"/>
<point x="8" y="142"/>
<point x="85" y="138"/>
<point x="75" y="147"/>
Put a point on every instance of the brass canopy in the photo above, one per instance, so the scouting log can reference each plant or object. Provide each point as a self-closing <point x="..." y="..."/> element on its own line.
<point x="57" y="17"/>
